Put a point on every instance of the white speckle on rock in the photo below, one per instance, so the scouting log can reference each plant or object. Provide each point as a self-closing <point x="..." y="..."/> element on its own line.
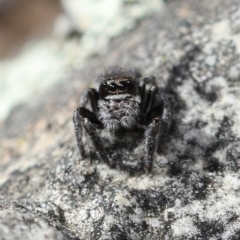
<point x="184" y="227"/>
<point x="121" y="201"/>
<point x="231" y="181"/>
<point x="227" y="235"/>
<point x="97" y="214"/>
<point x="83" y="215"/>
<point x="154" y="222"/>
<point x="109" y="220"/>
<point x="209" y="48"/>
<point x="211" y="60"/>
<point x="236" y="39"/>
<point x="178" y="202"/>
<point x="137" y="218"/>
<point x="143" y="183"/>
<point x="234" y="73"/>
<point x="221" y="30"/>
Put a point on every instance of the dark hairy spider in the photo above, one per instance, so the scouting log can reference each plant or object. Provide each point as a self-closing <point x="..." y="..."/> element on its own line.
<point x="123" y="101"/>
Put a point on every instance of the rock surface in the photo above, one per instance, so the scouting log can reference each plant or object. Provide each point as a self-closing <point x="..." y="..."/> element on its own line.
<point x="193" y="192"/>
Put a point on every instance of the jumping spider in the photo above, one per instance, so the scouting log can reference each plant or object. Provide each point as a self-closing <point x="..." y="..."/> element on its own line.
<point x="123" y="101"/>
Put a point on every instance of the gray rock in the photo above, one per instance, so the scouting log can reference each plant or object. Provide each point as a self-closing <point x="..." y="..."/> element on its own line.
<point x="16" y="225"/>
<point x="193" y="191"/>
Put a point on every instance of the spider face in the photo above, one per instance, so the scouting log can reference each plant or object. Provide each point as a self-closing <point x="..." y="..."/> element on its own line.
<point x="122" y="102"/>
<point x="119" y="103"/>
<point x="118" y="85"/>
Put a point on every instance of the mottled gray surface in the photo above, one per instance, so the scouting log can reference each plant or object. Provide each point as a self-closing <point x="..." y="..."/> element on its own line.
<point x="193" y="191"/>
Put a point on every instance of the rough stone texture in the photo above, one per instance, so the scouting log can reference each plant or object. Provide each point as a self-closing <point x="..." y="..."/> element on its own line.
<point x="193" y="191"/>
<point x="15" y="225"/>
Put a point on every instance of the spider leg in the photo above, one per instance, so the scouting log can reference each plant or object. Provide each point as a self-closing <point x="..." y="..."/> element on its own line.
<point x="94" y="97"/>
<point x="87" y="120"/>
<point x="96" y="139"/>
<point x="77" y="118"/>
<point x="149" y="101"/>
<point x="78" y="127"/>
<point x="166" y="119"/>
<point x="160" y="119"/>
<point x="150" y="139"/>
<point x="83" y="118"/>
<point x="147" y="98"/>
<point x="142" y="89"/>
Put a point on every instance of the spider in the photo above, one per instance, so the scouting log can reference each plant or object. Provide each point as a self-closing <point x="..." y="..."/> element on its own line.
<point x="123" y="101"/>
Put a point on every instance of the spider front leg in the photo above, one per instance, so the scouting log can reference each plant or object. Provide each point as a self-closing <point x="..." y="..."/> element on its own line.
<point x="96" y="139"/>
<point x="78" y="127"/>
<point x="87" y="120"/>
<point x="150" y="138"/>
<point x="156" y="110"/>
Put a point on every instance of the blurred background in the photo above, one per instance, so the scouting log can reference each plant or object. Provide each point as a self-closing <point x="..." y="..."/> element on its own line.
<point x="42" y="41"/>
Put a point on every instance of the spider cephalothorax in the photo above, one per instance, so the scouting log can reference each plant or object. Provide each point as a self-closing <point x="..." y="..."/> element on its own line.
<point x="122" y="102"/>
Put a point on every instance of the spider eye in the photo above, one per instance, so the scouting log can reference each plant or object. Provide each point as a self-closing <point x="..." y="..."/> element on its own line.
<point x="104" y="85"/>
<point x="129" y="84"/>
<point x="112" y="87"/>
<point x="122" y="86"/>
